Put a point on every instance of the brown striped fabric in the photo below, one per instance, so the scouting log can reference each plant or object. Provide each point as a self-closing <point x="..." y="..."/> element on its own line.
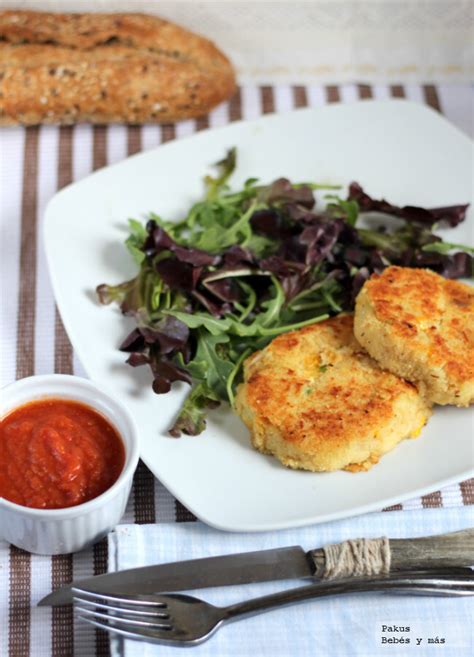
<point x="300" y="96"/>
<point x="202" y="123"/>
<point x="62" y="628"/>
<point x="182" y="513"/>
<point x="168" y="132"/>
<point x="467" y="491"/>
<point x="235" y="106"/>
<point x="134" y="139"/>
<point x="365" y="91"/>
<point x="63" y="349"/>
<point x="431" y="97"/>
<point x="20" y="601"/>
<point x="20" y="561"/>
<point x="432" y="501"/>
<point x="144" y="495"/>
<point x="397" y="91"/>
<point x="65" y="156"/>
<point x="394" y="507"/>
<point x="99" y="148"/>
<point x="62" y="346"/>
<point x="332" y="94"/>
<point x="267" y="99"/>
<point x="27" y="294"/>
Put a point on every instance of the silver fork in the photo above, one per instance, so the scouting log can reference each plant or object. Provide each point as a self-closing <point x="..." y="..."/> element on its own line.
<point x="177" y="619"/>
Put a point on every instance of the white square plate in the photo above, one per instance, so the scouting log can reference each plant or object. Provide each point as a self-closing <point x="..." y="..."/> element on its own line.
<point x="396" y="149"/>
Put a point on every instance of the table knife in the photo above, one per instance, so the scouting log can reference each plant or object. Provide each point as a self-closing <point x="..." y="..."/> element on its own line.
<point x="455" y="549"/>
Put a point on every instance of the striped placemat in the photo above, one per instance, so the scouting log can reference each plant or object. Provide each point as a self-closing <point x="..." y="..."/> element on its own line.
<point x="34" y="164"/>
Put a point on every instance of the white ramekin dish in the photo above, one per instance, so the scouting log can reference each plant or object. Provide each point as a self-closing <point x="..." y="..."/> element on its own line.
<point x="60" y="531"/>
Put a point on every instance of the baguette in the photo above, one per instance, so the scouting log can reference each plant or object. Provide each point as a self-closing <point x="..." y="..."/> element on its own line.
<point x="106" y="68"/>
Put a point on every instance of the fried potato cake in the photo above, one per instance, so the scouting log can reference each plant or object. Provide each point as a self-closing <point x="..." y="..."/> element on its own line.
<point x="314" y="399"/>
<point x="420" y="326"/>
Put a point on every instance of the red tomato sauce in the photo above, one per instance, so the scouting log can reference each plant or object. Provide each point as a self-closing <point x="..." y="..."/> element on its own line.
<point x="57" y="453"/>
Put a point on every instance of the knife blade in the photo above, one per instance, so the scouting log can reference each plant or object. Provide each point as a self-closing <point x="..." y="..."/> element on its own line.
<point x="242" y="568"/>
<point x="455" y="549"/>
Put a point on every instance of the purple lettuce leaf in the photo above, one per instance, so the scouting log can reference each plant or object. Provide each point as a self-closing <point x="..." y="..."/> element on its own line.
<point x="158" y="241"/>
<point x="225" y="289"/>
<point x="452" y="215"/>
<point x="269" y="222"/>
<point x="214" y="306"/>
<point x="300" y="214"/>
<point x="166" y="372"/>
<point x="282" y="191"/>
<point x="320" y="240"/>
<point x="178" y="275"/>
<point x="237" y="257"/>
<point x="458" y="265"/>
<point x="137" y="359"/>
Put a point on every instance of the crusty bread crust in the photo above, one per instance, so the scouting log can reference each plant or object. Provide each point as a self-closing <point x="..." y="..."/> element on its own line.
<point x="106" y="68"/>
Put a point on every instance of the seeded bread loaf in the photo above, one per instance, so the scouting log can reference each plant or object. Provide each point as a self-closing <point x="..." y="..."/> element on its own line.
<point x="105" y="68"/>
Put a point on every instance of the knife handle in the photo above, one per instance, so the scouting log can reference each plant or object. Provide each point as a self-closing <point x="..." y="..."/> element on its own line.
<point x="438" y="551"/>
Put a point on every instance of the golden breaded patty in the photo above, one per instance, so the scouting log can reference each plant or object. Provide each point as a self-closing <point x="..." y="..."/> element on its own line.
<point x="420" y="326"/>
<point x="315" y="400"/>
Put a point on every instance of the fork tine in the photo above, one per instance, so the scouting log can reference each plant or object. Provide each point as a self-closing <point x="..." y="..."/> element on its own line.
<point x="121" y="621"/>
<point x="123" y="610"/>
<point x="135" y="634"/>
<point x="141" y="600"/>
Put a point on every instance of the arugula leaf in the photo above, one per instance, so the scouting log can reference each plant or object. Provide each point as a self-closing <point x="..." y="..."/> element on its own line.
<point x="214" y="239"/>
<point x="225" y="169"/>
<point x="260" y="245"/>
<point x="192" y="417"/>
<point x="196" y="320"/>
<point x="446" y="247"/>
<point x="272" y="307"/>
<point x="135" y="240"/>
<point x="347" y="210"/>
<point x="211" y="362"/>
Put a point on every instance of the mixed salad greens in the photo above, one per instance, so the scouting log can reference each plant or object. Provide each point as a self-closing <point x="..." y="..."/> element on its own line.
<point x="244" y="266"/>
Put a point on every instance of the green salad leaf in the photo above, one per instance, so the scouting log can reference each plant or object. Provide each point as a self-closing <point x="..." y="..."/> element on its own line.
<point x="246" y="265"/>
